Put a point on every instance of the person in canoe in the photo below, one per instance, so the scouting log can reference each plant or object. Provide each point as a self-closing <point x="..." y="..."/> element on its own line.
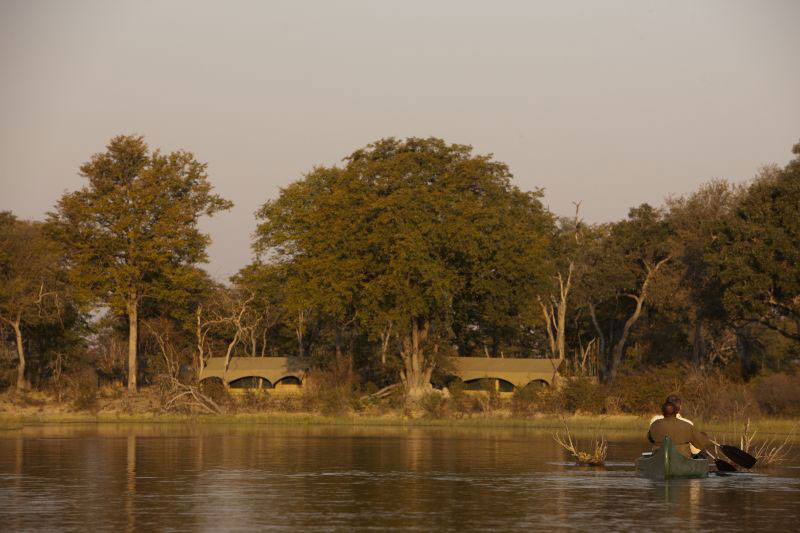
<point x="683" y="433"/>
<point x="676" y="401"/>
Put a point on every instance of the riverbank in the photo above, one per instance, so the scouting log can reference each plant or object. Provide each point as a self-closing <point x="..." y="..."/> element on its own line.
<point x="577" y="422"/>
<point x="37" y="407"/>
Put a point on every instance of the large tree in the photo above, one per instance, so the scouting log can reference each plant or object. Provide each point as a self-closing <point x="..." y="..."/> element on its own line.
<point x="405" y="238"/>
<point x="132" y="233"/>
<point x="624" y="260"/>
<point x="29" y="281"/>
<point x="756" y="254"/>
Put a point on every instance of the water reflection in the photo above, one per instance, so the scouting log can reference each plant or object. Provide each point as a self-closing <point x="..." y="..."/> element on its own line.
<point x="202" y="477"/>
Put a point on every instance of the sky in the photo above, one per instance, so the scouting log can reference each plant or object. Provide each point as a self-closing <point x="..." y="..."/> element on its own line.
<point x="610" y="104"/>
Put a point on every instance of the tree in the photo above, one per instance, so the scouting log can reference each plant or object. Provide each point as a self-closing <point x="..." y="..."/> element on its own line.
<point x="566" y="254"/>
<point x="29" y="281"/>
<point x="404" y="238"/>
<point x="694" y="296"/>
<point x="757" y="252"/>
<point x="624" y="258"/>
<point x="131" y="233"/>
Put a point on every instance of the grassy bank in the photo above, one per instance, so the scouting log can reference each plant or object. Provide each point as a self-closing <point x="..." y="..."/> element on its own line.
<point x="765" y="426"/>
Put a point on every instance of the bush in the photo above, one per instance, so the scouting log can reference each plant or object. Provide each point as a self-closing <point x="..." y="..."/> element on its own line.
<point x="524" y="400"/>
<point x="328" y="391"/>
<point x="434" y="404"/>
<point x="215" y="389"/>
<point x="253" y="401"/>
<point x="83" y="390"/>
<point x="583" y="394"/>
<point x="778" y="394"/>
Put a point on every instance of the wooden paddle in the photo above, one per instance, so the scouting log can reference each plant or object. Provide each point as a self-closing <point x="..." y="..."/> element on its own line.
<point x="740" y="457"/>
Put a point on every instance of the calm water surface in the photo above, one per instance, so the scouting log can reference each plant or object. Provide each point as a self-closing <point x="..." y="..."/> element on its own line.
<point x="245" y="478"/>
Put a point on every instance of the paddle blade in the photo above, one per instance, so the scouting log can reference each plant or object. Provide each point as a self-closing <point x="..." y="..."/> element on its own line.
<point x="724" y="466"/>
<point x="740" y="457"/>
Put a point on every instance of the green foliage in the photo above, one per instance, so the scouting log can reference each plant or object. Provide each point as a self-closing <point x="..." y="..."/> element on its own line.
<point x="132" y="232"/>
<point x="421" y="239"/>
<point x="583" y="395"/>
<point x="757" y="252"/>
<point x="133" y="229"/>
<point x="33" y="296"/>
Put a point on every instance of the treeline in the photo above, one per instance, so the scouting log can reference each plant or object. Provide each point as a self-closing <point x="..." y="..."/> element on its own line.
<point x="409" y="252"/>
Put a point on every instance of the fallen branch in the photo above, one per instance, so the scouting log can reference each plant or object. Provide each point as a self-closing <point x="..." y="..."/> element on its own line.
<point x="183" y="397"/>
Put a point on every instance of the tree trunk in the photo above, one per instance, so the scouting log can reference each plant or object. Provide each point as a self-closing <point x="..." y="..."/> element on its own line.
<point x="199" y="364"/>
<point x="744" y="347"/>
<point x="133" y="342"/>
<point x="547" y="311"/>
<point x="416" y="373"/>
<point x="22" y="381"/>
<point x="619" y="348"/>
<point x="228" y="354"/>
<point x="299" y="332"/>
<point x="386" y="336"/>
<point x="697" y="345"/>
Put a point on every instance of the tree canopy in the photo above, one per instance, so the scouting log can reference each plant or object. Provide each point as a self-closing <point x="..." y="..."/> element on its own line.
<point x="417" y="237"/>
<point x="131" y="232"/>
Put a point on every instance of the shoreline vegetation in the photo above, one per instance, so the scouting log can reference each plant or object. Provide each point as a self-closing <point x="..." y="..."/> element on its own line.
<point x="578" y="423"/>
<point x="46" y="411"/>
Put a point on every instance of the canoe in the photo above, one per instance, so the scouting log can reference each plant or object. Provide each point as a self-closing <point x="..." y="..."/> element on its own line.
<point x="667" y="463"/>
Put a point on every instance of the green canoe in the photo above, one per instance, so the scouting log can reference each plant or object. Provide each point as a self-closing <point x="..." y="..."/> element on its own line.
<point x="667" y="463"/>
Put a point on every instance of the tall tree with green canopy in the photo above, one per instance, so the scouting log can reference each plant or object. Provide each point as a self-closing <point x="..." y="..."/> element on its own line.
<point x="29" y="281"/>
<point x="407" y="235"/>
<point x="623" y="261"/>
<point x="132" y="233"/>
<point x="757" y="252"/>
<point x="693" y="297"/>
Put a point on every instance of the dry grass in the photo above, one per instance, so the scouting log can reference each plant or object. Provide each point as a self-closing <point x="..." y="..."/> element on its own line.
<point x="770" y="452"/>
<point x="597" y="457"/>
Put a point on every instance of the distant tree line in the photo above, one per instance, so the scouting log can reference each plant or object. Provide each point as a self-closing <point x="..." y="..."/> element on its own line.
<point x="408" y="253"/>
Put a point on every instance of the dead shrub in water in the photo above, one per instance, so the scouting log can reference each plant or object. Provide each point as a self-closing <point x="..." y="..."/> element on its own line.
<point x="769" y="452"/>
<point x="599" y="447"/>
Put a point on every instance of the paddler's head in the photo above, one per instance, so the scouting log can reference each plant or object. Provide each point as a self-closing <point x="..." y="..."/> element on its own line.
<point x="669" y="409"/>
<point x="674" y="400"/>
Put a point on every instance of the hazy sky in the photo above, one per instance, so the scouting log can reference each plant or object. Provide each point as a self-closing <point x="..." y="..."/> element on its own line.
<point x="609" y="103"/>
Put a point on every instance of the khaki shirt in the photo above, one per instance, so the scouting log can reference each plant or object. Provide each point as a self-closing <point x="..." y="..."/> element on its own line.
<point x="681" y="432"/>
<point x="692" y="449"/>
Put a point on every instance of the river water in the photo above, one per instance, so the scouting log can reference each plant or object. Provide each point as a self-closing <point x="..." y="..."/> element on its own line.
<point x="277" y="478"/>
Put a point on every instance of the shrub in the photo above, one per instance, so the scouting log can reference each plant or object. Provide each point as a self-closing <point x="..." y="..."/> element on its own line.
<point x="523" y="401"/>
<point x="434" y="404"/>
<point x="778" y="394"/>
<point x="460" y="402"/>
<point x="254" y="401"/>
<point x="214" y="389"/>
<point x="328" y="391"/>
<point x="83" y="390"/>
<point x="583" y="394"/>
